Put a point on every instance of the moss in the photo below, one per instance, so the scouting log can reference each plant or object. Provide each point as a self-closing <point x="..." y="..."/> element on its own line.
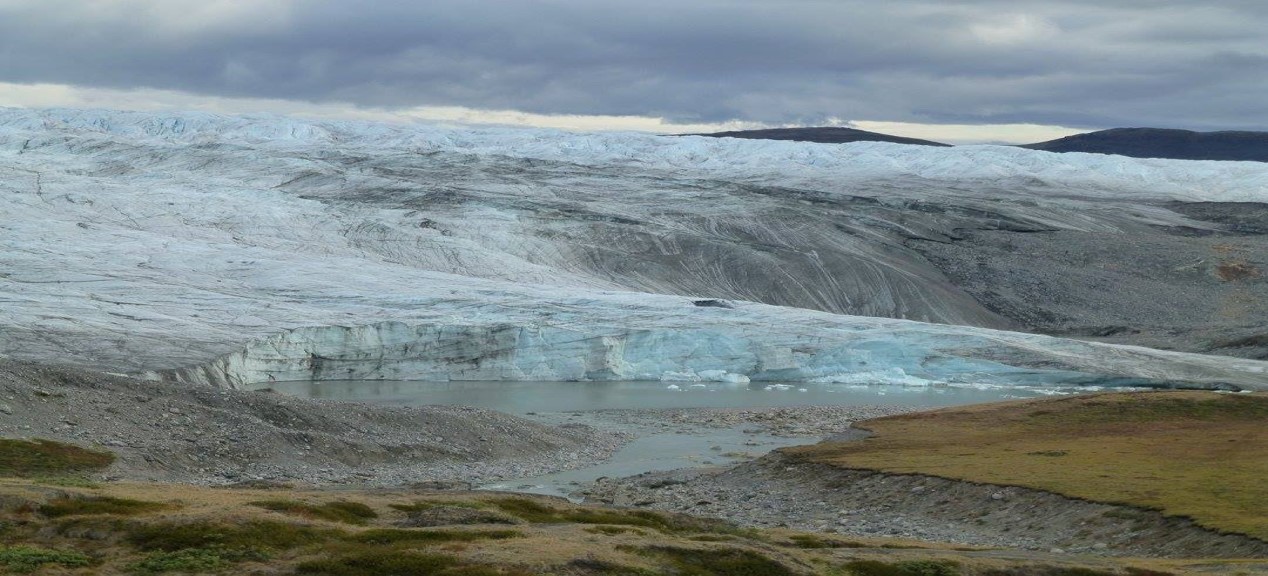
<point x="33" y="458"/>
<point x="98" y="505"/>
<point x="340" y="511"/>
<point x="394" y="536"/>
<point x="259" y="534"/>
<point x="29" y="558"/>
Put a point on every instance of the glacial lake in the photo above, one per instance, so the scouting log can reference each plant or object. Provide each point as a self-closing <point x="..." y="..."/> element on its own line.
<point x="527" y="397"/>
<point x="654" y="449"/>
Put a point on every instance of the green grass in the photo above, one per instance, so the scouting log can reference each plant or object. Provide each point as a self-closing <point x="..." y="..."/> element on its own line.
<point x="1197" y="454"/>
<point x="258" y="535"/>
<point x="394" y="536"/>
<point x="340" y="511"/>
<point x="35" y="458"/>
<point x="83" y="506"/>
<point x="22" y="559"/>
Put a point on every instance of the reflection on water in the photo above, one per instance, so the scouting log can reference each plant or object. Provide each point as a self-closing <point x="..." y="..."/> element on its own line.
<point x="523" y="397"/>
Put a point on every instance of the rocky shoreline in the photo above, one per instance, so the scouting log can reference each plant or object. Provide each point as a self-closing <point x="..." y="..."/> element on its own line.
<point x="779" y="491"/>
<point x="202" y="435"/>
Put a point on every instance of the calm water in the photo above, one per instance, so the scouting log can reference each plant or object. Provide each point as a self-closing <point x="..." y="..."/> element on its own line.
<point x="525" y="397"/>
<point x="656" y="450"/>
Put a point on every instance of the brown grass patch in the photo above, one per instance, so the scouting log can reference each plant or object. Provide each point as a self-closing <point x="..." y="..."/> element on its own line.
<point x="1234" y="270"/>
<point x="1196" y="454"/>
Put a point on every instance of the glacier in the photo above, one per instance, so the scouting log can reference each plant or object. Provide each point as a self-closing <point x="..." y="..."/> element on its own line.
<point x="237" y="250"/>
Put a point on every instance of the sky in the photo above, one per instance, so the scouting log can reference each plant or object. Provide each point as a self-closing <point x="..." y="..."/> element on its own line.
<point x="958" y="71"/>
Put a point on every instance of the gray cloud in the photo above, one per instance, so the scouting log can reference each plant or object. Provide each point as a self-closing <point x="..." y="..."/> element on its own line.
<point x="1078" y="63"/>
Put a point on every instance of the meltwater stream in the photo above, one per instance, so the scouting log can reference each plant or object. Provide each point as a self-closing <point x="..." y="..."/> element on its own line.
<point x="656" y="446"/>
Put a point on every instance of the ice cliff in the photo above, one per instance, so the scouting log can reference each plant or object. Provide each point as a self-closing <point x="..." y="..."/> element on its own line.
<point x="234" y="250"/>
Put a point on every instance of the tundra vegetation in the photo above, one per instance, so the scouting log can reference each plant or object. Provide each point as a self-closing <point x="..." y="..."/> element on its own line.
<point x="1201" y="455"/>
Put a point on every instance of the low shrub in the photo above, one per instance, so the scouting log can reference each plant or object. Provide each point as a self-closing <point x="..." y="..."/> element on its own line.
<point x="905" y="568"/>
<point x="195" y="560"/>
<point x="377" y="564"/>
<point x="82" y="506"/>
<point x="341" y="511"/>
<point x="259" y="534"/>
<point x="23" y="559"/>
<point x="713" y="562"/>
<point x="394" y="536"/>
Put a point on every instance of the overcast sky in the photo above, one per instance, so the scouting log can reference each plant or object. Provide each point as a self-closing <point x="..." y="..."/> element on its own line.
<point x="965" y="67"/>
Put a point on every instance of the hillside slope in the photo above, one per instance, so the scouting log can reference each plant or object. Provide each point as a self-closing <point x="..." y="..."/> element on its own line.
<point x="1164" y="143"/>
<point x="823" y="135"/>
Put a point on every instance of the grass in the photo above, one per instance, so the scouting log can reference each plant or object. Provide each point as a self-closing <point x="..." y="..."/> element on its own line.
<point x="93" y="505"/>
<point x="1197" y="454"/>
<point x="339" y="511"/>
<point x="36" y="458"/>
<point x="22" y="559"/>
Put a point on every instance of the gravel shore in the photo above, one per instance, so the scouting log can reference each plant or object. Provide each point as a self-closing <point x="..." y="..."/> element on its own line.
<point x="778" y="491"/>
<point x="202" y="435"/>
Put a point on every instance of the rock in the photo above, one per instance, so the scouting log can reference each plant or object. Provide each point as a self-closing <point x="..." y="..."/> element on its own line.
<point x="441" y="486"/>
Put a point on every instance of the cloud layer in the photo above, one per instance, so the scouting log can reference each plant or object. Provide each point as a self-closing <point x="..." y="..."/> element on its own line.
<point x="1070" y="62"/>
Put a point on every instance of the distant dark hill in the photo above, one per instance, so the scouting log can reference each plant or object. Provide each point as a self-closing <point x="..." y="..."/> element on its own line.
<point x="822" y="135"/>
<point x="1162" y="143"/>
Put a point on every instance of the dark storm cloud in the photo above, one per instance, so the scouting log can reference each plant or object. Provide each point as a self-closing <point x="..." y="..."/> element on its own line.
<point x="1201" y="65"/>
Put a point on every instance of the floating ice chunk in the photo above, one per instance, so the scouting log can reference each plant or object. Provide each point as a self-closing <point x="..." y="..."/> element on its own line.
<point x="892" y="376"/>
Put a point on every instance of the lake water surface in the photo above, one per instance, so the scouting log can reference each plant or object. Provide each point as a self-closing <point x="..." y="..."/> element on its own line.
<point x="525" y="397"/>
<point x="654" y="449"/>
